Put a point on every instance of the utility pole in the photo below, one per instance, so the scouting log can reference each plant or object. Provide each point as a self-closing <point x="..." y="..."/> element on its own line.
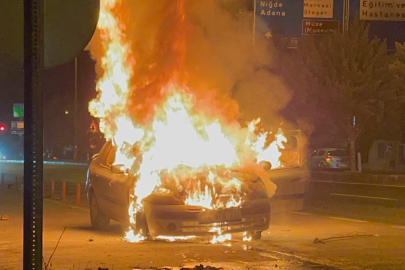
<point x="75" y="116"/>
<point x="346" y="15"/>
<point x="33" y="127"/>
<point x="254" y="21"/>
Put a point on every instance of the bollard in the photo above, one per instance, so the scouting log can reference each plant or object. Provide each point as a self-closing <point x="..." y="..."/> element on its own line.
<point x="52" y="189"/>
<point x="78" y="194"/>
<point x="2" y="184"/>
<point x="63" y="191"/>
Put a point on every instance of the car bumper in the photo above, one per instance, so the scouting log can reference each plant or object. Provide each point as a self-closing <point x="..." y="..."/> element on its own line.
<point x="185" y="220"/>
<point x="338" y="166"/>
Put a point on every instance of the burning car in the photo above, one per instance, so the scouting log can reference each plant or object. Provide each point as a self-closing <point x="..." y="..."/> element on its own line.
<point x="167" y="214"/>
<point x="179" y="160"/>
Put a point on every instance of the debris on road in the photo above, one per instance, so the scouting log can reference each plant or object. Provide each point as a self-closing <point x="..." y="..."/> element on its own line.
<point x="197" y="267"/>
<point x="341" y="237"/>
<point x="201" y="267"/>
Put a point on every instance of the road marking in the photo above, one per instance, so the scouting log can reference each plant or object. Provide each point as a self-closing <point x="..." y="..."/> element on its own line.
<point x="301" y="213"/>
<point x="349" y="219"/>
<point x="398" y="227"/>
<point x="366" y="197"/>
<point x="364" y="184"/>
<point x="287" y="254"/>
<point x="268" y="256"/>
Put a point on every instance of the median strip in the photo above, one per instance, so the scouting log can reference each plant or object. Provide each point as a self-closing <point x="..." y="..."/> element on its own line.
<point x="349" y="219"/>
<point x="364" y="197"/>
<point x="301" y="213"/>
<point x="398" y="227"/>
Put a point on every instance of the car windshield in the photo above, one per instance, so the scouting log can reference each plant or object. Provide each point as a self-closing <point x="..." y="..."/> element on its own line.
<point x="338" y="153"/>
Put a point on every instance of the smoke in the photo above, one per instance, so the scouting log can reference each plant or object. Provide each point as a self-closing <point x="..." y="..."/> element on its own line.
<point x="212" y="49"/>
<point x="221" y="55"/>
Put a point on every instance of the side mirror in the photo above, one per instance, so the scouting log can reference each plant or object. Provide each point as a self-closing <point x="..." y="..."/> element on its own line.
<point x="266" y="165"/>
<point x="117" y="169"/>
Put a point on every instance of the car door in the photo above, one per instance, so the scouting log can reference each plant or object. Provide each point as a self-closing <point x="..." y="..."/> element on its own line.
<point x="320" y="156"/>
<point x="115" y="191"/>
<point x="97" y="180"/>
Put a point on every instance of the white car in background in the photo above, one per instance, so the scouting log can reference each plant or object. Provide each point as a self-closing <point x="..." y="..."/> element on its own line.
<point x="329" y="158"/>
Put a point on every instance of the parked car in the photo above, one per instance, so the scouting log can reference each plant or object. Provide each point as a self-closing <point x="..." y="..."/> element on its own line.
<point x="329" y="158"/>
<point x="108" y="191"/>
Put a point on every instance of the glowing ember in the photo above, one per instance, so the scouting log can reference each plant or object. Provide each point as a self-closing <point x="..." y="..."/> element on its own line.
<point x="175" y="238"/>
<point x="221" y="238"/>
<point x="130" y="236"/>
<point x="178" y="148"/>
<point x="246" y="237"/>
<point x="218" y="236"/>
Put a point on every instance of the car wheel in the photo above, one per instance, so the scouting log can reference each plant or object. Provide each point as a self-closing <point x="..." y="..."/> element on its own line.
<point x="321" y="166"/>
<point x="99" y="220"/>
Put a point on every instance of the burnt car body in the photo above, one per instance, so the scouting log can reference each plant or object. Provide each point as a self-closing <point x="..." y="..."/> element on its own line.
<point x="108" y="190"/>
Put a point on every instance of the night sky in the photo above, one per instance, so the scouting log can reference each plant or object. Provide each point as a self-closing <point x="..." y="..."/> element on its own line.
<point x="58" y="97"/>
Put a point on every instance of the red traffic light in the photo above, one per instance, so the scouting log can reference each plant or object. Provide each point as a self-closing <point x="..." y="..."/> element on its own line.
<point x="2" y="127"/>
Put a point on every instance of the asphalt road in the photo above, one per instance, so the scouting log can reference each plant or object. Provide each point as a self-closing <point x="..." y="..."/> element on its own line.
<point x="288" y="244"/>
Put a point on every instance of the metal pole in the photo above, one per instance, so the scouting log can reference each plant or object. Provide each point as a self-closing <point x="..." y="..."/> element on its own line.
<point x="254" y="21"/>
<point x="346" y="16"/>
<point x="33" y="139"/>
<point x="75" y="115"/>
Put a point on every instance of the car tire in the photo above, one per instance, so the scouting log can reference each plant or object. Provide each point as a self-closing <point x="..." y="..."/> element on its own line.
<point x="99" y="220"/>
<point x="321" y="166"/>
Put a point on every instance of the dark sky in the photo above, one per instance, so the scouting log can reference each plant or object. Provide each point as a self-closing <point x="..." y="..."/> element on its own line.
<point x="58" y="89"/>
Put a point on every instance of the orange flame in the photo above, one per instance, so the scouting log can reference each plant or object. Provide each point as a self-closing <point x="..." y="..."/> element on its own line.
<point x="163" y="133"/>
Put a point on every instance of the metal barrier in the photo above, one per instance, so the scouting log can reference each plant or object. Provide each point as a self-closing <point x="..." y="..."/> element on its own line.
<point x="48" y="162"/>
<point x="356" y="188"/>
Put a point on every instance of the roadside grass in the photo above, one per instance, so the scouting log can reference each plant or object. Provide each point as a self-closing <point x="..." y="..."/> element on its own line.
<point x="68" y="173"/>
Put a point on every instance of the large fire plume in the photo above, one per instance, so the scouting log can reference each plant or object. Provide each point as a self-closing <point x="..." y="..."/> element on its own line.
<point x="170" y="136"/>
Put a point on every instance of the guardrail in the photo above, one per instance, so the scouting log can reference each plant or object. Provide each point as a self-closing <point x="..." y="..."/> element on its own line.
<point x="356" y="188"/>
<point x="48" y="162"/>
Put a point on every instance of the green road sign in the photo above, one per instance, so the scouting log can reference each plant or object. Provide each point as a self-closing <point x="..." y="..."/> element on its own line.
<point x="18" y="109"/>
<point x="17" y="127"/>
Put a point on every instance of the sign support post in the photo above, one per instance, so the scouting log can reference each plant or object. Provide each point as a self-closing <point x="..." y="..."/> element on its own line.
<point x="254" y="21"/>
<point x="75" y="120"/>
<point x="346" y="16"/>
<point x="33" y="140"/>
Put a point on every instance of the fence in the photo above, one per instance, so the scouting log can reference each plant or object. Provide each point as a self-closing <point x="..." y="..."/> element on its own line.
<point x="356" y="188"/>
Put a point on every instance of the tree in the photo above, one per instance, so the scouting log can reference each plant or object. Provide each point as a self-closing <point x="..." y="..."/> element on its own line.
<point x="397" y="65"/>
<point x="346" y="77"/>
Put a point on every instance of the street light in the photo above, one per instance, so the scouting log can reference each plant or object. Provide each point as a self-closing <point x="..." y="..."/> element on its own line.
<point x="75" y="116"/>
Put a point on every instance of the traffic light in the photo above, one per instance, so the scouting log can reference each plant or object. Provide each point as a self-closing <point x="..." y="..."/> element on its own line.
<point x="2" y="127"/>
